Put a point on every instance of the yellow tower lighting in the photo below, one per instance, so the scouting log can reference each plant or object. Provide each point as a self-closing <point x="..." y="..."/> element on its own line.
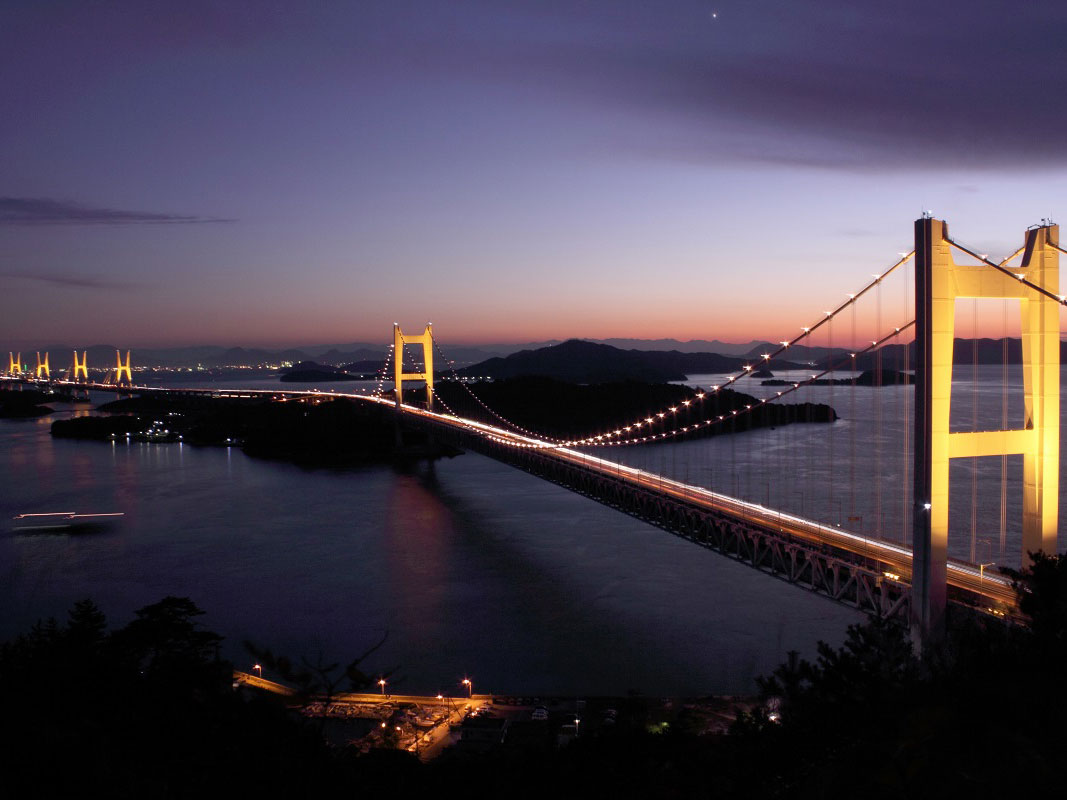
<point x="938" y="282"/>
<point x="81" y="368"/>
<point x="14" y="361"/>
<point x="122" y="371"/>
<point x="42" y="367"/>
<point x="399" y="376"/>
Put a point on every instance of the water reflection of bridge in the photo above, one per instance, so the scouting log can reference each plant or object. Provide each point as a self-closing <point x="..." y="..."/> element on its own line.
<point x="911" y="577"/>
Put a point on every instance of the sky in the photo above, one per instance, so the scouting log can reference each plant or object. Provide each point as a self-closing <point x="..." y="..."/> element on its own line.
<point x="285" y="173"/>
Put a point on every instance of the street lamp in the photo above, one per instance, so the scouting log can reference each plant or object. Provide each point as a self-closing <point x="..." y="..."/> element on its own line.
<point x="258" y="668"/>
<point x="381" y="683"/>
<point x="981" y="570"/>
<point x="470" y="687"/>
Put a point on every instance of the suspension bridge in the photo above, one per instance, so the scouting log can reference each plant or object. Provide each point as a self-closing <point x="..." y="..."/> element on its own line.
<point x="900" y="558"/>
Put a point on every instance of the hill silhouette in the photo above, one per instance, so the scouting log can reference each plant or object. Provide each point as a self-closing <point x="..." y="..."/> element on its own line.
<point x="576" y="361"/>
<point x="579" y="361"/>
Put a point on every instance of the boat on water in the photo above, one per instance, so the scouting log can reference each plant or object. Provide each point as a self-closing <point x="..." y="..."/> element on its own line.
<point x="69" y="522"/>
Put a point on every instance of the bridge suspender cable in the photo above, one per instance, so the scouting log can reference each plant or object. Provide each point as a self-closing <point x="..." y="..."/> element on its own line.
<point x="514" y="426"/>
<point x="610" y="437"/>
<point x="1004" y="427"/>
<point x="727" y="418"/>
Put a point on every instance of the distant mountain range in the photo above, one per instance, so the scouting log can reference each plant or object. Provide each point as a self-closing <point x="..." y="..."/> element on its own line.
<point x="579" y="361"/>
<point x="345" y="354"/>
<point x="662" y="356"/>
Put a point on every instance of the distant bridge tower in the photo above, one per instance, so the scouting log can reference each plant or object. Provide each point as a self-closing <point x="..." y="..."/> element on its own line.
<point x="14" y="361"/>
<point x="80" y="368"/>
<point x="938" y="282"/>
<point x="426" y="340"/>
<point x="42" y="367"/>
<point x="122" y="371"/>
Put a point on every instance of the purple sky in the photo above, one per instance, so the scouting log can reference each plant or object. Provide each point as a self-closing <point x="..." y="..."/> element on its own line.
<point x="221" y="173"/>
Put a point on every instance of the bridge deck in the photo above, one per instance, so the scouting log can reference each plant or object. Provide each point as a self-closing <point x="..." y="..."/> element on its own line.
<point x="869" y="573"/>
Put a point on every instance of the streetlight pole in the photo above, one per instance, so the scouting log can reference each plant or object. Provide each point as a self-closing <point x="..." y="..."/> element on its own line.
<point x="470" y="687"/>
<point x="381" y="684"/>
<point x="258" y="668"/>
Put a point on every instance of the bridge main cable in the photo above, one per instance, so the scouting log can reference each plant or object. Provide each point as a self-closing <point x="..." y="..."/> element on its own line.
<point x="703" y="424"/>
<point x="1059" y="298"/>
<point x="807" y="331"/>
<point x="598" y="439"/>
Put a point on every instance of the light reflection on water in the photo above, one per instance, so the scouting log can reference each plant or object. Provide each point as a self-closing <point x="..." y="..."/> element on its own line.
<point x="473" y="569"/>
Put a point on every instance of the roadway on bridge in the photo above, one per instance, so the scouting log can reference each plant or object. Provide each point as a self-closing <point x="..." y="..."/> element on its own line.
<point x="896" y="561"/>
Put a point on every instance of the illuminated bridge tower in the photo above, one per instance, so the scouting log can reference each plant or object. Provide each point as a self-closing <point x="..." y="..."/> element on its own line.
<point x="80" y="370"/>
<point x="123" y="375"/>
<point x="14" y="361"/>
<point x="426" y="340"/>
<point x="938" y="282"/>
<point x="42" y="367"/>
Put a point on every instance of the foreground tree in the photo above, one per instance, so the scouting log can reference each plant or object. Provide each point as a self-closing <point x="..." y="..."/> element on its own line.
<point x="145" y="711"/>
<point x="981" y="715"/>
<point x="319" y="680"/>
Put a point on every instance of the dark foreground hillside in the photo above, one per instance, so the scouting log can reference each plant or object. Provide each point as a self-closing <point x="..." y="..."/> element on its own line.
<point x="148" y="710"/>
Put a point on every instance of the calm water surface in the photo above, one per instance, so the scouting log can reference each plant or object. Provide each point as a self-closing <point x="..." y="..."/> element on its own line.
<point x="472" y="567"/>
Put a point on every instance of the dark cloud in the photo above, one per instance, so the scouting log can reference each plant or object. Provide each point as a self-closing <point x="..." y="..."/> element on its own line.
<point x="832" y="84"/>
<point x="75" y="281"/>
<point x="44" y="211"/>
